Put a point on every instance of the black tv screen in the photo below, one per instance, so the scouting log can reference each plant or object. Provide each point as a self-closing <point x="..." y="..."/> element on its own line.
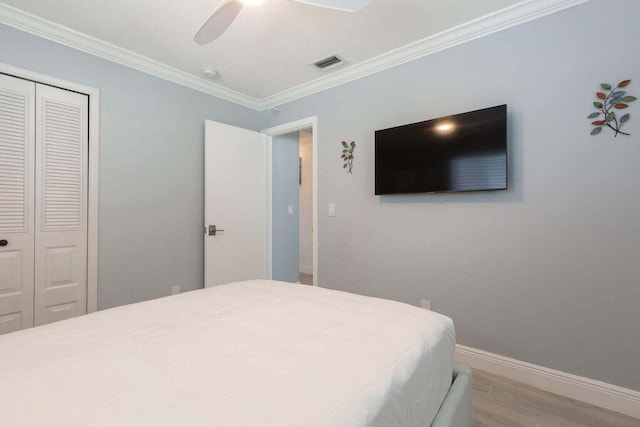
<point x="463" y="152"/>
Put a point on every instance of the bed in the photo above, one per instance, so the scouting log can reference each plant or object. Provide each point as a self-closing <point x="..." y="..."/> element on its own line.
<point x="255" y="353"/>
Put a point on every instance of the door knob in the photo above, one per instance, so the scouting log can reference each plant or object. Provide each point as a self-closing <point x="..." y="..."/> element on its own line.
<point x="3" y="242"/>
<point x="213" y="230"/>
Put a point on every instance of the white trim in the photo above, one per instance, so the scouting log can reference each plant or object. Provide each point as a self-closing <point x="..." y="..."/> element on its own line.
<point x="269" y="207"/>
<point x="94" y="156"/>
<point x="501" y="20"/>
<point x="517" y="14"/>
<point x="309" y="122"/>
<point x="598" y="393"/>
<point x="94" y="179"/>
<point x="66" y="36"/>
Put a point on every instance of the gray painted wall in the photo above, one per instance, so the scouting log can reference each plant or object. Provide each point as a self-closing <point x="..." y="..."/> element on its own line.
<point x="151" y="168"/>
<point x="285" y="227"/>
<point x="546" y="272"/>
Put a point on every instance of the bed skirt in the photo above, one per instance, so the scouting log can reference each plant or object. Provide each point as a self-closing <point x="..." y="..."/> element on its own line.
<point x="457" y="408"/>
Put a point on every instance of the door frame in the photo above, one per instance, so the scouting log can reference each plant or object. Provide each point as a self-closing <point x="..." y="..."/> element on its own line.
<point x="283" y="129"/>
<point x="93" y="178"/>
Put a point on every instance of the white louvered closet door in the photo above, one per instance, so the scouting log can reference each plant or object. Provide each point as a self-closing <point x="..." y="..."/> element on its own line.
<point x="17" y="141"/>
<point x="61" y="204"/>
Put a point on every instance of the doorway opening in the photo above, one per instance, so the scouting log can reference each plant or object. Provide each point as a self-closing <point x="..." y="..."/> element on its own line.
<point x="305" y="207"/>
<point x="292" y="198"/>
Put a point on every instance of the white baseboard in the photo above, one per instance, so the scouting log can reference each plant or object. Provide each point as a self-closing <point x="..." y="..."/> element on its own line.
<point x="306" y="269"/>
<point x="608" y="396"/>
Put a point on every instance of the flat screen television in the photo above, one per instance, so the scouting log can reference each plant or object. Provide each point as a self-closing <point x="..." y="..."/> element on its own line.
<point x="463" y="152"/>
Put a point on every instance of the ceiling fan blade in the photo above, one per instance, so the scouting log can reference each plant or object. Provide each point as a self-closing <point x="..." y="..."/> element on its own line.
<point x="218" y="22"/>
<point x="343" y="5"/>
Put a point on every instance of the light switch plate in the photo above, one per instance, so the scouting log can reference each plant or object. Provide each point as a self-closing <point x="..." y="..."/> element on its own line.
<point x="332" y="209"/>
<point x="290" y="209"/>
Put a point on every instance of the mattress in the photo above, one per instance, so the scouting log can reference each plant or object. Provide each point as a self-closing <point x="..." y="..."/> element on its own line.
<point x="256" y="353"/>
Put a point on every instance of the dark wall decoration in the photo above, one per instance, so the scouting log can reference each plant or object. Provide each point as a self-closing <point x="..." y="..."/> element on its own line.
<point x="347" y="155"/>
<point x="611" y="105"/>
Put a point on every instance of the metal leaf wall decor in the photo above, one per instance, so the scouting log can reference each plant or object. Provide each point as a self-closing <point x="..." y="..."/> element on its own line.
<point x="610" y="103"/>
<point x="347" y="155"/>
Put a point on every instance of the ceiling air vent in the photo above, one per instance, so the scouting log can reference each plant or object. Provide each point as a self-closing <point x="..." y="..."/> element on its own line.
<point x="328" y="62"/>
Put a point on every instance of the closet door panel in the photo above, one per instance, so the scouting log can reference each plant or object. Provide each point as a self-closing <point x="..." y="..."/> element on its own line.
<point x="61" y="207"/>
<point x="17" y="136"/>
<point x="16" y="291"/>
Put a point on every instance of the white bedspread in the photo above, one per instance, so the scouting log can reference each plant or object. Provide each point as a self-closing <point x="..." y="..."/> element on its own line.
<point x="258" y="353"/>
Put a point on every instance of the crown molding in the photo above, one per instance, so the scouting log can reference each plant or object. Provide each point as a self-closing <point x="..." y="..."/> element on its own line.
<point x="517" y="14"/>
<point x="60" y="34"/>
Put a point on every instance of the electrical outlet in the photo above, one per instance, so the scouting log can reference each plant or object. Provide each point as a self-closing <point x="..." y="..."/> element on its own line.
<point x="425" y="303"/>
<point x="175" y="290"/>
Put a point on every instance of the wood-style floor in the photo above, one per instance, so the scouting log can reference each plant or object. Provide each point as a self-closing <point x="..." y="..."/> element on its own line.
<point x="306" y="279"/>
<point x="499" y="402"/>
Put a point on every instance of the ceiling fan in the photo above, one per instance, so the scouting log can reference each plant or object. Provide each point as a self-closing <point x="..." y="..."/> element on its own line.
<point x="224" y="15"/>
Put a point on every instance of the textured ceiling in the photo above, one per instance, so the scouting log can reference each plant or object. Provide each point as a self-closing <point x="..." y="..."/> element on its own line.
<point x="269" y="48"/>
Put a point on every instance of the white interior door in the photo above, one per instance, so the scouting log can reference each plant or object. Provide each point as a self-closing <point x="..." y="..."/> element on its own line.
<point x="17" y="142"/>
<point x="236" y="202"/>
<point x="61" y="204"/>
